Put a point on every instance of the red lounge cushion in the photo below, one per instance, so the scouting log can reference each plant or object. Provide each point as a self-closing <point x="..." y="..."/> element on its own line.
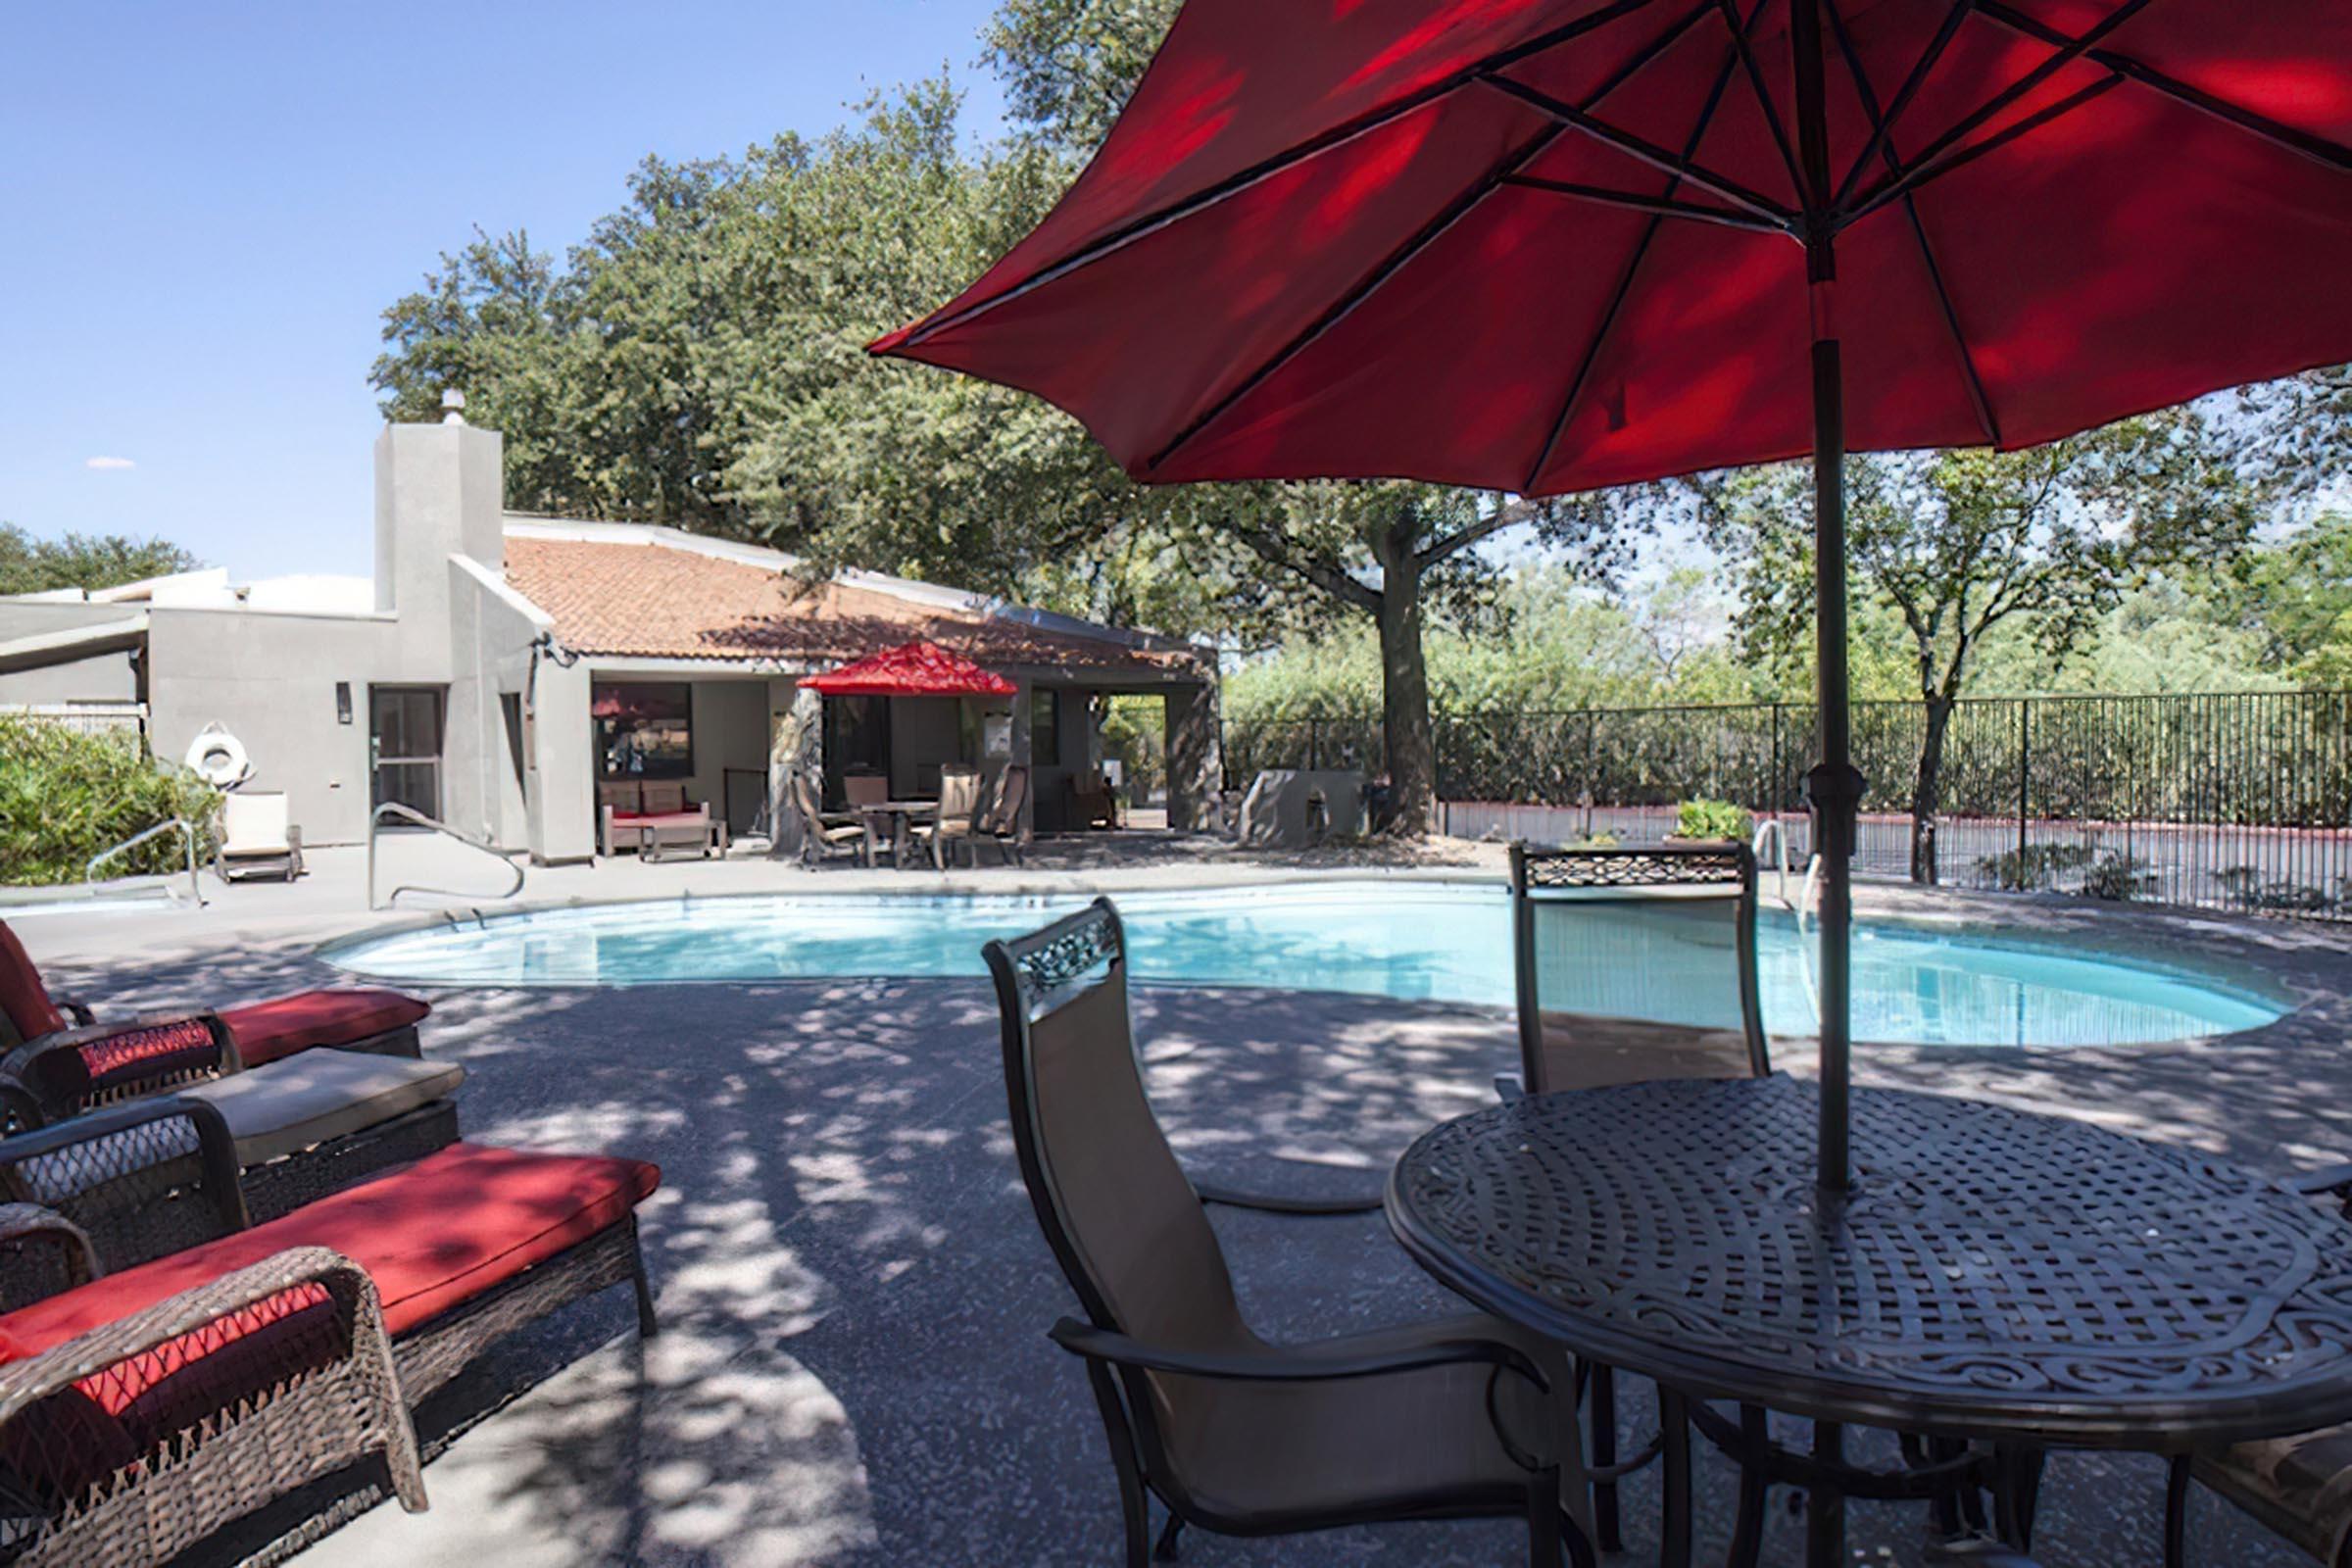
<point x="695" y="815"/>
<point x="265" y="1031"/>
<point x="432" y="1235"/>
<point x="23" y="997"/>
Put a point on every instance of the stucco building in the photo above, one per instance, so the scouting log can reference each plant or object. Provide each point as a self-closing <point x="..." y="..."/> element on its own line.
<point x="497" y="667"/>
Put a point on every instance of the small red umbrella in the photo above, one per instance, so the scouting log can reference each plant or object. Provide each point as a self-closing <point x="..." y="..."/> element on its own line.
<point x="1550" y="245"/>
<point x="911" y="670"/>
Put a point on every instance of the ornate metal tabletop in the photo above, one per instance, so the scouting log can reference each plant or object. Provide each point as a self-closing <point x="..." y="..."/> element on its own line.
<point x="1992" y="1274"/>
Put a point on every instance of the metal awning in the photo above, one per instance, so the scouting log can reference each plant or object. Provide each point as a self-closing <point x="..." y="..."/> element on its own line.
<point x="73" y="644"/>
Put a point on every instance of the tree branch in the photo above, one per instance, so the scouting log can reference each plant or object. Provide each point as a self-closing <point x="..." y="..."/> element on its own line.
<point x="1276" y="549"/>
<point x="1507" y="514"/>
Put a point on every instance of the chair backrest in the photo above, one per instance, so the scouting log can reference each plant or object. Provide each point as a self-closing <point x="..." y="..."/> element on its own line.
<point x="1121" y="1216"/>
<point x="252" y="820"/>
<point x="26" y="1011"/>
<point x="1636" y="964"/>
<point x="958" y="795"/>
<point x="1012" y="788"/>
<point x="620" y="795"/>
<point x="141" y="1180"/>
<point x="662" y="800"/>
<point x="865" y="788"/>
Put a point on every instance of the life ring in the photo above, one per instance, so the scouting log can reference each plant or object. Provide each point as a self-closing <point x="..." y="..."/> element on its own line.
<point x="218" y="757"/>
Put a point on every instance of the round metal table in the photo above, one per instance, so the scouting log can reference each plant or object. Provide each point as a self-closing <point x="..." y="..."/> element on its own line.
<point x="1993" y="1274"/>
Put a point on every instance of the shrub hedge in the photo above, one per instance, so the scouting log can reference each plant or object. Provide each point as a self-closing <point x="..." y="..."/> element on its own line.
<point x="64" y="795"/>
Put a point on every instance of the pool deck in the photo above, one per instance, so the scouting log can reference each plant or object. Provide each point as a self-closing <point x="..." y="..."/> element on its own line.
<point x="854" y="1292"/>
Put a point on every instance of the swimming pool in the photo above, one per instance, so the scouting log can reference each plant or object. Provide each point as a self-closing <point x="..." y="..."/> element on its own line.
<point x="1408" y="938"/>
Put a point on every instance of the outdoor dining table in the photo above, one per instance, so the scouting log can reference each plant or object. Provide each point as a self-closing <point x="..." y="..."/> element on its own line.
<point x="886" y="822"/>
<point x="1993" y="1274"/>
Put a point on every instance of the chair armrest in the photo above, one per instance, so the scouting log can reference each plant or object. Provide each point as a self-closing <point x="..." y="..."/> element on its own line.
<point x="56" y="1163"/>
<point x="27" y="1222"/>
<point x="1233" y="1197"/>
<point x="68" y="1070"/>
<point x="1509" y="1086"/>
<point x="1288" y="1364"/>
<point x="228" y="1307"/>
<point x="2335" y="1180"/>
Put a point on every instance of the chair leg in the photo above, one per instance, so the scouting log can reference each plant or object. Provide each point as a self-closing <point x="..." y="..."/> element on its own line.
<point x="1544" y="1518"/>
<point x="1135" y="1504"/>
<point x="648" y="1325"/>
<point x="1165" y="1551"/>
<point x="2176" y="1513"/>
<point x="1603" y="1417"/>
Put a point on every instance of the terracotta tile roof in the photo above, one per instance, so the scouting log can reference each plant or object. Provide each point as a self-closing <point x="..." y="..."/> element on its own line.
<point x="656" y="601"/>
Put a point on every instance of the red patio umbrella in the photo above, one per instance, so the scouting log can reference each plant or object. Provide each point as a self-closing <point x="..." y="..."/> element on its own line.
<point x="911" y="670"/>
<point x="1550" y="245"/>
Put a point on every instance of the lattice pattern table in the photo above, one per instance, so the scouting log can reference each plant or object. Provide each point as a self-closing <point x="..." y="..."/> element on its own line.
<point x="1994" y="1274"/>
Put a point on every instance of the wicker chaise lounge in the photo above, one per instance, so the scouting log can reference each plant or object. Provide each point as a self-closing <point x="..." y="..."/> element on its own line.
<point x="129" y="1443"/>
<point x="1455" y="1418"/>
<point x="464" y="1245"/>
<point x="353" y="1017"/>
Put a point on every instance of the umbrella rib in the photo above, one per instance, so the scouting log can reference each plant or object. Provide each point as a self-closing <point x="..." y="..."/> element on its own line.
<point x="1661" y="205"/>
<point x="1503" y="174"/>
<point x="2057" y="61"/>
<point x="1920" y="173"/>
<point x="2334" y="154"/>
<point x="1919" y="228"/>
<point x="1645" y="151"/>
<point x="1625" y="287"/>
<point x="1904" y="96"/>
<point x="1266" y="168"/>
<point x="1756" y="80"/>
<point x="1341" y="308"/>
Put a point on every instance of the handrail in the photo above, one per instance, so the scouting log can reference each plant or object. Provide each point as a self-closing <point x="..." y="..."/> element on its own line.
<point x="375" y="828"/>
<point x="1810" y="898"/>
<point x="1771" y="831"/>
<point x="177" y="825"/>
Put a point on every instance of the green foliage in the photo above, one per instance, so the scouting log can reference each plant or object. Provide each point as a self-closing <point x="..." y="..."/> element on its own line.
<point x="1713" y="819"/>
<point x="65" y="795"/>
<point x="29" y="566"/>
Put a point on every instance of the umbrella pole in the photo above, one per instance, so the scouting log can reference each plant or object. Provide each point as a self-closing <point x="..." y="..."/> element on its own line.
<point x="1832" y="787"/>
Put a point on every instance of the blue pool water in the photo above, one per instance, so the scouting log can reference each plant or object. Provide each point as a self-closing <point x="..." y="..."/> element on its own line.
<point x="1418" y="940"/>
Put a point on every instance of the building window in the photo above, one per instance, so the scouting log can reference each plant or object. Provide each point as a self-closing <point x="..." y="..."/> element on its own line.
<point x="1045" y="734"/>
<point x="642" y="729"/>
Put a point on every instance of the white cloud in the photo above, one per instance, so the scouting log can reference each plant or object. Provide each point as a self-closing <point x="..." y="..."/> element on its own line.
<point x="109" y="465"/>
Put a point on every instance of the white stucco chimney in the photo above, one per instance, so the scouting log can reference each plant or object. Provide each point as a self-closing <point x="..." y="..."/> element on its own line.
<point x="439" y="492"/>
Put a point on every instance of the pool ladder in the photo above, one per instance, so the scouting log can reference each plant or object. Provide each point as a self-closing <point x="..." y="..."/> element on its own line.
<point x="1769" y="833"/>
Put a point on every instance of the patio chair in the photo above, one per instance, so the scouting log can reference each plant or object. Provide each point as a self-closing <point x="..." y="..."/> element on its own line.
<point x="349" y="1017"/>
<point x="256" y="838"/>
<point x="1000" y="823"/>
<point x="303" y="1126"/>
<point x="141" y="1437"/>
<point x="825" y="835"/>
<point x="959" y="816"/>
<point x="465" y="1246"/>
<point x="865" y="788"/>
<point x="1602" y="940"/>
<point x="1447" y="1419"/>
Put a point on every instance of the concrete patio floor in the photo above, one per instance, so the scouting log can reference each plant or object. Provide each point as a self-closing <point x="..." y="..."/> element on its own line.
<point x="855" y="1293"/>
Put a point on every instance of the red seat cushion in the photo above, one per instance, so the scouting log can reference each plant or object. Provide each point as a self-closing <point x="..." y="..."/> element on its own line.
<point x="265" y="1031"/>
<point x="432" y="1235"/>
<point x="23" y="997"/>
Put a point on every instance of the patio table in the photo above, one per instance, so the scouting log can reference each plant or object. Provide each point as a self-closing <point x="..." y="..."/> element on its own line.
<point x="886" y="822"/>
<point x="1993" y="1275"/>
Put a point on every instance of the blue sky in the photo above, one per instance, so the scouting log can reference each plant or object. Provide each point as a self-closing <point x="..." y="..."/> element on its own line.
<point x="208" y="208"/>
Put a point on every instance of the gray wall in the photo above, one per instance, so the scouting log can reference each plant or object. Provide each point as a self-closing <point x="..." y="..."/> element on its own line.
<point x="106" y="678"/>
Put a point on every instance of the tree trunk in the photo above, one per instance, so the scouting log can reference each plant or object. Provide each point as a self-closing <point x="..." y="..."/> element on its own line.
<point x="1927" y="788"/>
<point x="1406" y="732"/>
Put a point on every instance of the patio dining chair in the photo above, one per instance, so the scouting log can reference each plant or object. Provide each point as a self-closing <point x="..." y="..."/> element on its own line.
<point x="1452" y="1418"/>
<point x="959" y="808"/>
<point x="1000" y="822"/>
<point x="824" y="835"/>
<point x="1632" y="964"/>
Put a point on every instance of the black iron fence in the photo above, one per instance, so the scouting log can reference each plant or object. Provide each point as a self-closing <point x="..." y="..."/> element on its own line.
<point x="2238" y="800"/>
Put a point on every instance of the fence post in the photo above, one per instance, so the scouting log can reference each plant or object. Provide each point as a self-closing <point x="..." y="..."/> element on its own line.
<point x="1315" y="744"/>
<point x="1591" y="724"/>
<point x="2025" y="776"/>
<point x="1773" y="794"/>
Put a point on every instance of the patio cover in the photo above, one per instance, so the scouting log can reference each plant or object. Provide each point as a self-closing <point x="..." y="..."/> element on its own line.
<point x="911" y="670"/>
<point x="42" y="650"/>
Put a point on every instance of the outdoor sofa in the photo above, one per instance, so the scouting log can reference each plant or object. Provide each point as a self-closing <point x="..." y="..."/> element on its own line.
<point x="654" y="815"/>
<point x="168" y="1365"/>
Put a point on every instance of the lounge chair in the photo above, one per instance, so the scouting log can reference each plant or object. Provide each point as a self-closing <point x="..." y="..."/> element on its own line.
<point x="349" y="1017"/>
<point x="256" y="838"/>
<point x="1599" y="938"/>
<point x="1444" y="1419"/>
<point x="825" y="835"/>
<point x="959" y="807"/>
<point x="138" y="1438"/>
<point x="464" y="1245"/>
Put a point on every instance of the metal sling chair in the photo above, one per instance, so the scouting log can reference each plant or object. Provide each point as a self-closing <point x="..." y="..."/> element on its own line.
<point x="1455" y="1418"/>
<point x="1603" y="940"/>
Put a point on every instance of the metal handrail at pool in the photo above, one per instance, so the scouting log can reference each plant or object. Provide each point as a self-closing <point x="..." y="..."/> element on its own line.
<point x="394" y="810"/>
<point x="176" y="824"/>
